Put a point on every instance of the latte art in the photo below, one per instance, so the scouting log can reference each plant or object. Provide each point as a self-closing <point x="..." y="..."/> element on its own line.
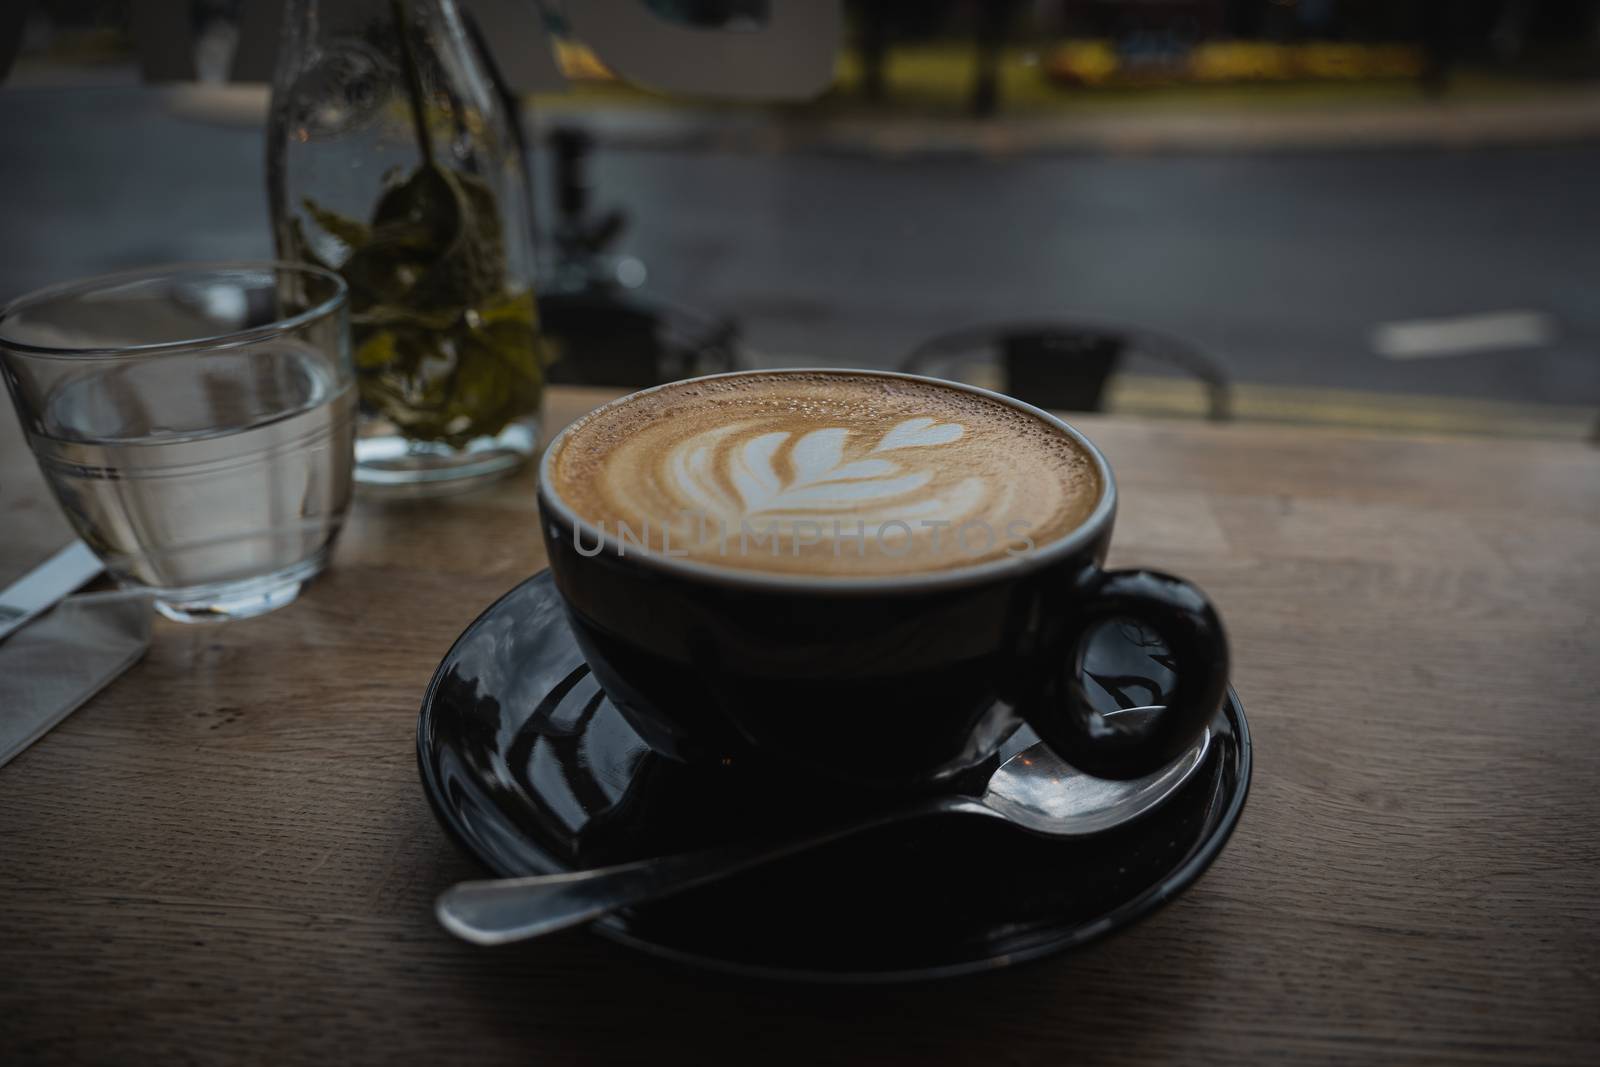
<point x="816" y="473"/>
<point x="812" y="478"/>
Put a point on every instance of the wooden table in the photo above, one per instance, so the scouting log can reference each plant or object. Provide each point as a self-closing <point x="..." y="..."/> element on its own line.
<point x="227" y="856"/>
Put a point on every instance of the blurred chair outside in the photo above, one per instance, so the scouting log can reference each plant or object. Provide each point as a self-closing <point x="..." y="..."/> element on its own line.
<point x="1064" y="364"/>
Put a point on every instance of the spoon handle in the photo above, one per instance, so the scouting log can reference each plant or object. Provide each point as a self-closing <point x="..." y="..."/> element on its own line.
<point x="502" y="910"/>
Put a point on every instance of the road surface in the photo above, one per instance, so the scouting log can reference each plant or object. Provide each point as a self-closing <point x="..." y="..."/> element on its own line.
<point x="1283" y="265"/>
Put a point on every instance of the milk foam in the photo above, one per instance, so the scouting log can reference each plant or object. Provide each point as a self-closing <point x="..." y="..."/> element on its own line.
<point x="827" y="474"/>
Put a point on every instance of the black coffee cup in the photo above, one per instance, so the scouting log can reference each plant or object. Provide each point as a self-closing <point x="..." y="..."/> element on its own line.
<point x="893" y="682"/>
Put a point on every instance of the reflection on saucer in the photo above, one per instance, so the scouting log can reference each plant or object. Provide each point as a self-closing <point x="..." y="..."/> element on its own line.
<point x="533" y="770"/>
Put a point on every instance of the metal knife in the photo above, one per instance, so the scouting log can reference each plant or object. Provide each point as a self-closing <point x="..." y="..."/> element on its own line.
<point x="39" y="589"/>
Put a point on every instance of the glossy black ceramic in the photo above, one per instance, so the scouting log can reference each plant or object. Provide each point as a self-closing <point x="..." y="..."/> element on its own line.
<point x="889" y="683"/>
<point x="533" y="770"/>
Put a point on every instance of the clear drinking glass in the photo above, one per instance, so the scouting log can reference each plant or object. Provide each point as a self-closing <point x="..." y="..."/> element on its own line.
<point x="196" y="423"/>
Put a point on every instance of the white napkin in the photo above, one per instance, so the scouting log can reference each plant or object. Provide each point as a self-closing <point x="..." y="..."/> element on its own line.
<point x="64" y="657"/>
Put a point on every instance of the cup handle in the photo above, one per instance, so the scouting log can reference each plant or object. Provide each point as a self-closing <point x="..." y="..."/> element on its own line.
<point x="1109" y="747"/>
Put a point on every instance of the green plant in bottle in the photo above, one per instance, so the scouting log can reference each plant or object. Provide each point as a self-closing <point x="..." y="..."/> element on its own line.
<point x="445" y="336"/>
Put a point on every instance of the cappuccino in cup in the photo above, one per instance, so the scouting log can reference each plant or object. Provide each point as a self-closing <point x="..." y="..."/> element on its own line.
<point x="760" y="565"/>
<point x="823" y="474"/>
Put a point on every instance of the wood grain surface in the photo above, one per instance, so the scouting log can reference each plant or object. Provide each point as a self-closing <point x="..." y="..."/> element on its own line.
<point x="226" y="856"/>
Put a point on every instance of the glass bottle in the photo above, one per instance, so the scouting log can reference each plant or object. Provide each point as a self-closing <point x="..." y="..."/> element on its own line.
<point x="393" y="158"/>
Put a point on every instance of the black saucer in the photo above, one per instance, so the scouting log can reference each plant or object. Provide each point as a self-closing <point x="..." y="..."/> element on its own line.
<point x="532" y="770"/>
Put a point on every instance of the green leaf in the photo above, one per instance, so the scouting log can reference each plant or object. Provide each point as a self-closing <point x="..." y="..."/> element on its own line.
<point x="354" y="234"/>
<point x="376" y="352"/>
<point x="426" y="205"/>
<point x="392" y="316"/>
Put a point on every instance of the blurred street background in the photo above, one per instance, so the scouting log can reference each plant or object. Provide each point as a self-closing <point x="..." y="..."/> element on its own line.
<point x="1363" y="213"/>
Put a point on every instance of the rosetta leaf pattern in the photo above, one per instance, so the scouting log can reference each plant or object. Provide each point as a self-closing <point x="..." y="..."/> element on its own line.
<point x="822" y="477"/>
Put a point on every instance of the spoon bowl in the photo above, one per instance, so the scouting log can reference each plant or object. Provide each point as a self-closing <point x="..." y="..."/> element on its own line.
<point x="1036" y="791"/>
